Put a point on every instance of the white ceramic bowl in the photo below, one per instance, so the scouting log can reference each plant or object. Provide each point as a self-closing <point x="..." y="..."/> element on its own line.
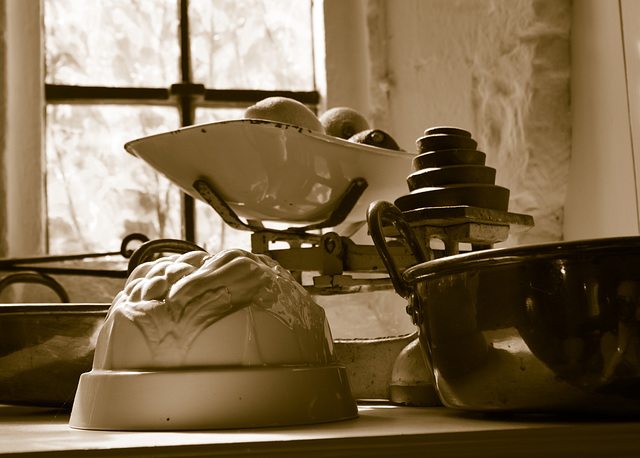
<point x="225" y="397"/>
<point x="195" y="341"/>
<point x="271" y="171"/>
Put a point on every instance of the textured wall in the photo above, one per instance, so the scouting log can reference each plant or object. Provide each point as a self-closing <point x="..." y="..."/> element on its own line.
<point x="21" y="127"/>
<point x="602" y="200"/>
<point x="499" y="68"/>
<point x="3" y="132"/>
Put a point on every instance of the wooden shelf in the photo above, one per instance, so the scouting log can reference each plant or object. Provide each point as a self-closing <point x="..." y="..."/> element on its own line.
<point x="381" y="430"/>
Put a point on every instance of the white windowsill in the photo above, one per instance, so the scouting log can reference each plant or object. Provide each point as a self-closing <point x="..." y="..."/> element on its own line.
<point x="381" y="430"/>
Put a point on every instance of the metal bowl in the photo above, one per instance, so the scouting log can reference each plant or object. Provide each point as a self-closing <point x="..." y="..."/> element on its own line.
<point x="43" y="350"/>
<point x="271" y="171"/>
<point x="541" y="328"/>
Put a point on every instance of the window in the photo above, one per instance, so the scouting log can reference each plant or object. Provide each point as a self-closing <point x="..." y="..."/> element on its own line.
<point x="98" y="115"/>
<point x="117" y="70"/>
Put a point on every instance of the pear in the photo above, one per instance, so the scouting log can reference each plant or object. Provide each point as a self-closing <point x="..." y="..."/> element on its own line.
<point x="376" y="137"/>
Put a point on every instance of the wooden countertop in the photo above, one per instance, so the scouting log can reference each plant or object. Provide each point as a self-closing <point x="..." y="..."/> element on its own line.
<point x="380" y="430"/>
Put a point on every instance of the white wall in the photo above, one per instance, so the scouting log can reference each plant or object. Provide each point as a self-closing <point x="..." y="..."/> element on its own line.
<point x="602" y="199"/>
<point x="498" y="68"/>
<point x="21" y="131"/>
<point x="342" y="59"/>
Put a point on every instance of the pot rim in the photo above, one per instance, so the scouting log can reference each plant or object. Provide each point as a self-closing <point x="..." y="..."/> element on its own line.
<point x="567" y="250"/>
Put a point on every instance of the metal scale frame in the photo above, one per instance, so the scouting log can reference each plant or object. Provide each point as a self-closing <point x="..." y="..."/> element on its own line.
<point x="343" y="266"/>
<point x="323" y="261"/>
<point x="452" y="198"/>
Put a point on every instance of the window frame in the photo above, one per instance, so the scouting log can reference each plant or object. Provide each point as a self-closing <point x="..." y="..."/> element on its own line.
<point x="186" y="96"/>
<point x="340" y="48"/>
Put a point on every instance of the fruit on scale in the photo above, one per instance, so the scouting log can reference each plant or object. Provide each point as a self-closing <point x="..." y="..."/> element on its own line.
<point x="340" y="122"/>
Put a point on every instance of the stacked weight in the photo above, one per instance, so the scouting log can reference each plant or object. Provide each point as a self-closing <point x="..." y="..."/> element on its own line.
<point x="450" y="171"/>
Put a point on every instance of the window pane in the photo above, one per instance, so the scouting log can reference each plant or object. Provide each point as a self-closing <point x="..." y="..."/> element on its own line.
<point x="214" y="235"/>
<point x="96" y="192"/>
<point x="252" y="44"/>
<point x="112" y="42"/>
<point x="206" y="115"/>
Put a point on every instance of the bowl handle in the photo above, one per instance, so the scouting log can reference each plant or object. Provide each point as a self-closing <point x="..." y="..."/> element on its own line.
<point x="381" y="214"/>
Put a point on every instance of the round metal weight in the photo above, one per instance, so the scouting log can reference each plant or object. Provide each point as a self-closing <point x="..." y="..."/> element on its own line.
<point x="455" y="174"/>
<point x="477" y="195"/>
<point x="448" y="157"/>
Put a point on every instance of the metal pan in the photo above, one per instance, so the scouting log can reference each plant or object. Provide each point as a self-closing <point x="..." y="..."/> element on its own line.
<point x="43" y="350"/>
<point x="45" y="347"/>
<point x="540" y="328"/>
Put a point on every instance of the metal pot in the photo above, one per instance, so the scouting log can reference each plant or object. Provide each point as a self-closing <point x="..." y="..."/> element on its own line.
<point x="541" y="328"/>
<point x="44" y="347"/>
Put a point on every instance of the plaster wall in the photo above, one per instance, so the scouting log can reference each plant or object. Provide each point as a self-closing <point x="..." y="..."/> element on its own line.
<point x="4" y="242"/>
<point x="342" y="63"/>
<point x="21" y="127"/>
<point x="602" y="200"/>
<point x="500" y="69"/>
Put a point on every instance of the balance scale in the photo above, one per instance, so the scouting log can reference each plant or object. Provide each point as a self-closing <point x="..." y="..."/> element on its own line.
<point x="319" y="188"/>
<point x="252" y="172"/>
<point x="324" y="185"/>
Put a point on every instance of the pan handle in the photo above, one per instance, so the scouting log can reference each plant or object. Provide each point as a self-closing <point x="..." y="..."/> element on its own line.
<point x="379" y="213"/>
<point x="149" y="249"/>
<point x="35" y="277"/>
